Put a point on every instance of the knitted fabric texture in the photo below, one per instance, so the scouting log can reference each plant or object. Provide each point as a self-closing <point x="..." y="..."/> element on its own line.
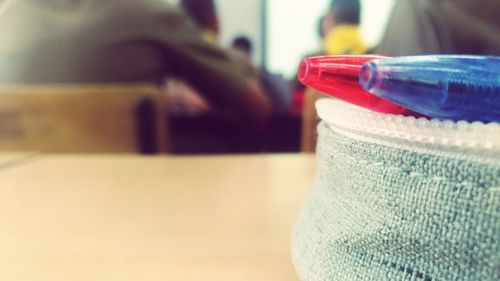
<point x="384" y="213"/>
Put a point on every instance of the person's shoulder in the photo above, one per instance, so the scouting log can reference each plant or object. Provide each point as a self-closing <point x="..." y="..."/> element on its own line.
<point x="145" y="15"/>
<point x="152" y="13"/>
<point x="148" y="7"/>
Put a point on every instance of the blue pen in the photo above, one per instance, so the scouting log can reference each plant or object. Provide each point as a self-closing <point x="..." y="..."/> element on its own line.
<point x="441" y="86"/>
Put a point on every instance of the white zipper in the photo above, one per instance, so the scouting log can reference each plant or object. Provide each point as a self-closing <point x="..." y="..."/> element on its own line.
<point x="474" y="141"/>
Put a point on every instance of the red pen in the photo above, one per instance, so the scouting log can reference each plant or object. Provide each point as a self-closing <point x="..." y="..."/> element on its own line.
<point x="338" y="76"/>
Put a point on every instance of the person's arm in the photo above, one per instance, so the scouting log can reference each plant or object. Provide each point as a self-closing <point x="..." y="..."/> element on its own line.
<point x="257" y="105"/>
<point x="410" y="30"/>
<point x="419" y="27"/>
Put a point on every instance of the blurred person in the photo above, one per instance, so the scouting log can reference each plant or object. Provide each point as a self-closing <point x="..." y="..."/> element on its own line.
<point x="187" y="100"/>
<point x="92" y="41"/>
<point x="274" y="85"/>
<point x="419" y="27"/>
<point x="344" y="36"/>
<point x="204" y="13"/>
<point x="243" y="46"/>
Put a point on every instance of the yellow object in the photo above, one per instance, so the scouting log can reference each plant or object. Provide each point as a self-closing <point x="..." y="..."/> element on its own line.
<point x="344" y="40"/>
<point x="209" y="36"/>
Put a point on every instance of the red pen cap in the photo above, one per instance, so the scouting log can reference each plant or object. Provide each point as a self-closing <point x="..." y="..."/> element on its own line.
<point x="338" y="76"/>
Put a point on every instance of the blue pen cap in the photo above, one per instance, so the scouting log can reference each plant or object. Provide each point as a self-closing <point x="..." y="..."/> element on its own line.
<point x="441" y="86"/>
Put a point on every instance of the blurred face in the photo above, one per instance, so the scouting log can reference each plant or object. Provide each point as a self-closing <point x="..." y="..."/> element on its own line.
<point x="328" y="23"/>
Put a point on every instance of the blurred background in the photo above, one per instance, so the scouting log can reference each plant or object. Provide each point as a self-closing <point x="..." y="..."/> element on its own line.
<point x="224" y="70"/>
<point x="284" y="31"/>
<point x="281" y="34"/>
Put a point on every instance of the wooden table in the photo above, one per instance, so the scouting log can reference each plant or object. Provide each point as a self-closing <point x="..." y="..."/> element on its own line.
<point x="9" y="160"/>
<point x="160" y="218"/>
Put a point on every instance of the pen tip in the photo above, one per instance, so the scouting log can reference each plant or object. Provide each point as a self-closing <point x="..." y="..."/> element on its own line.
<point x="302" y="70"/>
<point x="308" y="72"/>
<point x="368" y="76"/>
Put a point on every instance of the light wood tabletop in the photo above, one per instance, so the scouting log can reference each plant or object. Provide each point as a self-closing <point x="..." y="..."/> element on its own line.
<point x="76" y="217"/>
<point x="9" y="160"/>
<point x="12" y="156"/>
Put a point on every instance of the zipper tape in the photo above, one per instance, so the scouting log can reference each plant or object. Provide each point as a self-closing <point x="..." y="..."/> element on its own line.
<point x="475" y="141"/>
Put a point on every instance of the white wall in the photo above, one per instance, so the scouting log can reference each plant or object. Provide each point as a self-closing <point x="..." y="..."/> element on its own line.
<point x="292" y="32"/>
<point x="241" y="17"/>
<point x="374" y="19"/>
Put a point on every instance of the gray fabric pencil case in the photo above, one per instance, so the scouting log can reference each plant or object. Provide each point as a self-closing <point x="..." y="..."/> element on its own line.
<point x="399" y="198"/>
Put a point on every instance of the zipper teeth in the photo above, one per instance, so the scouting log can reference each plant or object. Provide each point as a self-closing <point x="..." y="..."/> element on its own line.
<point x="475" y="141"/>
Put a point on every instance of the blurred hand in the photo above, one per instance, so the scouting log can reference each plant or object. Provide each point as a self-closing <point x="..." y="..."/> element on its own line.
<point x="257" y="105"/>
<point x="182" y="98"/>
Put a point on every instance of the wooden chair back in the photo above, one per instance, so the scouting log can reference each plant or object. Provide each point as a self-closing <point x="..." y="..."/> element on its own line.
<point x="83" y="118"/>
<point x="309" y="121"/>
